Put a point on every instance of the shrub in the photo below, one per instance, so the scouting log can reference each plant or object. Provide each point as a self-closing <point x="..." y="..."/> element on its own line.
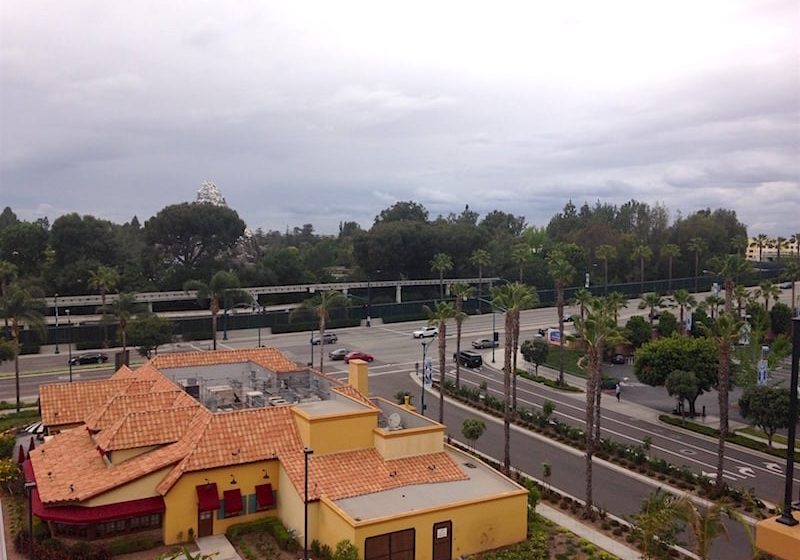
<point x="7" y="442"/>
<point x="126" y="545"/>
<point x="345" y="550"/>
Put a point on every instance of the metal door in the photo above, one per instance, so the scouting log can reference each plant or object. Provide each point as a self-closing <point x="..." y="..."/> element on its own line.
<point x="443" y="540"/>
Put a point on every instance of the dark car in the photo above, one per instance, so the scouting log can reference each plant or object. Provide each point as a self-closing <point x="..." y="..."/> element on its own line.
<point x="88" y="358"/>
<point x="329" y="337"/>
<point x="338" y="354"/>
<point x="357" y="355"/>
<point x="618" y="359"/>
<point x="468" y="358"/>
<point x="485" y="343"/>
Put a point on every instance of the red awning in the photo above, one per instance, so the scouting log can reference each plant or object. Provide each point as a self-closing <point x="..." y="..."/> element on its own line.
<point x="264" y="496"/>
<point x="98" y="514"/>
<point x="27" y="470"/>
<point x="233" y="501"/>
<point x="207" y="497"/>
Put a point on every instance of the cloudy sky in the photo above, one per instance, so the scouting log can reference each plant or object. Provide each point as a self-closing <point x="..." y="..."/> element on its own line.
<point x="317" y="112"/>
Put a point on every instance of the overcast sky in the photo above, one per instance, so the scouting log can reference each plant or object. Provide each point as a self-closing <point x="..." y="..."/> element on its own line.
<point x="318" y="112"/>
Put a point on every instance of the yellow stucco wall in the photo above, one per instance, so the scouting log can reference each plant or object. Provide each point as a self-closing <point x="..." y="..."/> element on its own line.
<point x="121" y="455"/>
<point x="144" y="487"/>
<point x="291" y="511"/>
<point x="335" y="433"/>
<point x="477" y="525"/>
<point x="407" y="443"/>
<point x="358" y="376"/>
<point x="778" y="539"/>
<point x="181" y="500"/>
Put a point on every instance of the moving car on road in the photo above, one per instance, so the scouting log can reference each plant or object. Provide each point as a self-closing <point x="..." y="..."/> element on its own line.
<point x="485" y="343"/>
<point x="425" y="332"/>
<point x="468" y="358"/>
<point x="88" y="358"/>
<point x="330" y="337"/>
<point x="358" y="355"/>
<point x="338" y="354"/>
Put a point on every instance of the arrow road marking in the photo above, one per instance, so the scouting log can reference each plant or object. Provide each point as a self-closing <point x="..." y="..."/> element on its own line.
<point x="774" y="467"/>
<point x="747" y="471"/>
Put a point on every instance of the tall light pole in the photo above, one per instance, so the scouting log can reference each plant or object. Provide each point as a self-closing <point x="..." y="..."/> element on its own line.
<point x="786" y="517"/>
<point x="55" y="301"/>
<point x="426" y="371"/>
<point x="69" y="343"/>
<point x="306" y="451"/>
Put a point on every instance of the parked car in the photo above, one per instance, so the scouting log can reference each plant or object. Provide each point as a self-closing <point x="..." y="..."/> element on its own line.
<point x="425" y="332"/>
<point x="485" y="343"/>
<point x="330" y="338"/>
<point x="358" y="355"/>
<point x="338" y="354"/>
<point x="468" y="358"/>
<point x="618" y="359"/>
<point x="88" y="358"/>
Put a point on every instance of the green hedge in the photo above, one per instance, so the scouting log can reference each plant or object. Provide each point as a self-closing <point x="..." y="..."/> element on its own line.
<point x="552" y="383"/>
<point x="126" y="545"/>
<point x="271" y="525"/>
<point x="732" y="437"/>
<point x="17" y="419"/>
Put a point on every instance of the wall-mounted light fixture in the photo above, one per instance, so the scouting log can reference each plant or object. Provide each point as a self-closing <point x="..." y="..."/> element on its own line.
<point x="233" y="479"/>
<point x="266" y="474"/>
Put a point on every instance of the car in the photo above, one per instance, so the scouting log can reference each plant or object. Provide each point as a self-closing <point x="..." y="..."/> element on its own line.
<point x="618" y="359"/>
<point x="786" y="285"/>
<point x="358" y="355"/>
<point x="338" y="354"/>
<point x="88" y="358"/>
<point x="485" y="343"/>
<point x="425" y="332"/>
<point x="468" y="358"/>
<point x="330" y="338"/>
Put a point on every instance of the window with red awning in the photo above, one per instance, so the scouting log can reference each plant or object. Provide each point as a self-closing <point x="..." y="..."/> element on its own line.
<point x="207" y="497"/>
<point x="233" y="502"/>
<point x="264" y="498"/>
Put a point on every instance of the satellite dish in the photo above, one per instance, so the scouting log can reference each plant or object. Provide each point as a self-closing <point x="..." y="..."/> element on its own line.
<point x="394" y="421"/>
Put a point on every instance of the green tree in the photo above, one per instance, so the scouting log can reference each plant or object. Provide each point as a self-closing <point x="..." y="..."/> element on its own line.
<point x="223" y="284"/>
<point x="123" y="308"/>
<point x="345" y="550"/>
<point x="658" y="523"/>
<point x="724" y="333"/>
<point x="670" y="251"/>
<point x="512" y="299"/>
<point x="472" y="430"/>
<point x="535" y="352"/>
<point x="651" y="301"/>
<point x="21" y="306"/>
<point x="780" y="243"/>
<point x="685" y="301"/>
<point x="667" y="324"/>
<point x="24" y="244"/>
<point x="638" y="331"/>
<point x="780" y="318"/>
<point x="595" y="331"/>
<point x="605" y="253"/>
<point x="697" y="245"/>
<point x="582" y="299"/>
<point x="521" y="255"/>
<point x="762" y="242"/>
<point x="321" y="305"/>
<point x="713" y="302"/>
<point x="731" y="268"/>
<point x="792" y="274"/>
<point x="684" y="386"/>
<point x="656" y="360"/>
<point x="440" y="264"/>
<point x="461" y="292"/>
<point x="103" y="279"/>
<point x="740" y="294"/>
<point x="767" y="290"/>
<point x="439" y="315"/>
<point x="705" y="524"/>
<point x="480" y="259"/>
<point x="616" y="301"/>
<point x="148" y="332"/>
<point x="767" y="408"/>
<point x="642" y="253"/>
<point x="403" y="211"/>
<point x="562" y="272"/>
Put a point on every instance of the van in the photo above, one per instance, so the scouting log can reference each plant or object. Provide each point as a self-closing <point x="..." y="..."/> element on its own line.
<point x="468" y="358"/>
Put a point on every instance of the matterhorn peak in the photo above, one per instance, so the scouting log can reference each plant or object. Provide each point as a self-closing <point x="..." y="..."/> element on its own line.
<point x="209" y="193"/>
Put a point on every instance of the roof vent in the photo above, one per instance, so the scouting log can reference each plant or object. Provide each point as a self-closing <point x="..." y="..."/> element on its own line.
<point x="471" y="465"/>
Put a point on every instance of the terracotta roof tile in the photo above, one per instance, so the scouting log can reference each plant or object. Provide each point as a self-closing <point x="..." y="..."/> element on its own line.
<point x="68" y="403"/>
<point x="270" y="358"/>
<point x="120" y="405"/>
<point x="146" y="428"/>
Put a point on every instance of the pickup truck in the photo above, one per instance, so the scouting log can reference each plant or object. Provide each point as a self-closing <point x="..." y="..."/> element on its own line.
<point x="425" y="332"/>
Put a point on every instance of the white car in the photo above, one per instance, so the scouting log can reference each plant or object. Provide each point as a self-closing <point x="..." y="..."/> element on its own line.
<point x="425" y="332"/>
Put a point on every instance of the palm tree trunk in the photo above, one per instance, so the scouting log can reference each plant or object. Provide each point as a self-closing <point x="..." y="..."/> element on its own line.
<point x="458" y="342"/>
<point x="214" y="328"/>
<point x="669" y="282"/>
<point x="322" y="342"/>
<point x="105" y="325"/>
<point x="17" y="350"/>
<point x="724" y="357"/>
<point x="641" y="276"/>
<point x="507" y="394"/>
<point x="589" y="435"/>
<point x="442" y="343"/>
<point x="514" y="361"/>
<point x="480" y="288"/>
<point x="605" y="277"/>
<point x="560" y="308"/>
<point x="696" y="264"/>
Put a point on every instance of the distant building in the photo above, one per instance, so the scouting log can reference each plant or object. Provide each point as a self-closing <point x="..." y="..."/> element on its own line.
<point x="192" y="443"/>
<point x="769" y="251"/>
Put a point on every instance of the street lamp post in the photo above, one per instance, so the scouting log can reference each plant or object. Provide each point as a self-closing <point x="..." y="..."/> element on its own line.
<point x="258" y="312"/>
<point x="311" y="341"/>
<point x="225" y="316"/>
<point x="306" y="451"/>
<point x="69" y="342"/>
<point x="786" y="517"/>
<point x="425" y="371"/>
<point x="55" y="301"/>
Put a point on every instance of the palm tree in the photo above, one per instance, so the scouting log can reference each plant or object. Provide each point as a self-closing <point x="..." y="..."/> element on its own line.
<point x="21" y="305"/>
<point x="780" y="243"/>
<point x="103" y="279"/>
<point x="761" y="241"/>
<point x="582" y="298"/>
<point x="792" y="274"/>
<point x="604" y="253"/>
<point x="660" y="517"/>
<point x="641" y="253"/>
<point x="740" y="294"/>
<point x="696" y="245"/>
<point x="480" y="258"/>
<point x="795" y="238"/>
<point x="712" y="303"/>
<point x="651" y="301"/>
<point x="595" y="331"/>
<point x="321" y="305"/>
<point x="441" y="263"/>
<point x="461" y="292"/>
<point x="724" y="332"/>
<point x="684" y="300"/>
<point x="124" y="308"/>
<point x="766" y="290"/>
<point x="511" y="298"/>
<point x="520" y="255"/>
<point x="739" y="244"/>
<point x="705" y="524"/>
<point x="221" y="285"/>
<point x="439" y="316"/>
<point x="562" y="272"/>
<point x="616" y="301"/>
<point x="670" y="251"/>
